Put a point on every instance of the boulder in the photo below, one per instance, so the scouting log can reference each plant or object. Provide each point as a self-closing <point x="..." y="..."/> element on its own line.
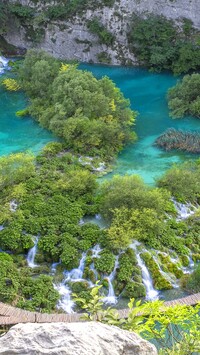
<point x="91" y="338"/>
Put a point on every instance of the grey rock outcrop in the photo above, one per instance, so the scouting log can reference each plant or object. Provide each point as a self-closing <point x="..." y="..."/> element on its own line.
<point x="72" y="39"/>
<point x="90" y="338"/>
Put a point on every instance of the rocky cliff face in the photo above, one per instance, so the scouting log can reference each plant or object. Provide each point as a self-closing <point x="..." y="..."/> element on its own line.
<point x="72" y="339"/>
<point x="72" y="39"/>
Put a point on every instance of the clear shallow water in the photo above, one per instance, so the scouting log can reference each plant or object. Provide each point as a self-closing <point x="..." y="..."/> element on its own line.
<point x="147" y="93"/>
<point x="17" y="134"/>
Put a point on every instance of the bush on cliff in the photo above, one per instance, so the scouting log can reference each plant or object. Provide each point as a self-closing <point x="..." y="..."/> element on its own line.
<point x="159" y="44"/>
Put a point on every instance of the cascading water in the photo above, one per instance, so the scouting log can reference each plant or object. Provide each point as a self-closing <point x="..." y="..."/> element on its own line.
<point x="31" y="254"/>
<point x="111" y="298"/>
<point x="54" y="267"/>
<point x="77" y="274"/>
<point x="151" y="293"/>
<point x="95" y="254"/>
<point x="65" y="302"/>
<point x="95" y="251"/>
<point x="169" y="277"/>
<point x="74" y="275"/>
<point x="3" y="64"/>
<point x="184" y="210"/>
<point x="13" y="206"/>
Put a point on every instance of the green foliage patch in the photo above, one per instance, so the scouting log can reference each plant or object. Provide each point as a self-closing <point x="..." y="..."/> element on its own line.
<point x="91" y="115"/>
<point x="159" y="44"/>
<point x="183" y="98"/>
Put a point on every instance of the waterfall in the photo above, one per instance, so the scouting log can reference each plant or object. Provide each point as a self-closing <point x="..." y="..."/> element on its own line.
<point x="95" y="254"/>
<point x="13" y="206"/>
<point x="3" y="64"/>
<point x="74" y="275"/>
<point x="95" y="251"/>
<point x="77" y="274"/>
<point x="65" y="302"/>
<point x="111" y="298"/>
<point x="81" y="222"/>
<point x="184" y="210"/>
<point x="98" y="216"/>
<point x="190" y="268"/>
<point x="54" y="267"/>
<point x="151" y="293"/>
<point x="31" y="254"/>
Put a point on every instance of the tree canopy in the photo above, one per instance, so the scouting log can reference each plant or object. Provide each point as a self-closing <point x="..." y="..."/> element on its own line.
<point x="183" y="98"/>
<point x="92" y="116"/>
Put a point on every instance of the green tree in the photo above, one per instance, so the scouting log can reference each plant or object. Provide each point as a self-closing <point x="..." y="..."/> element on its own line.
<point x="16" y="168"/>
<point x="159" y="44"/>
<point x="131" y="192"/>
<point x="9" y="279"/>
<point x="91" y="115"/>
<point x="183" y="98"/>
<point x="183" y="181"/>
<point x="132" y="224"/>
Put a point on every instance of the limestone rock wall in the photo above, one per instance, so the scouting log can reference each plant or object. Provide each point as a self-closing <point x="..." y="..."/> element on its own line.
<point x="72" y="39"/>
<point x="72" y="339"/>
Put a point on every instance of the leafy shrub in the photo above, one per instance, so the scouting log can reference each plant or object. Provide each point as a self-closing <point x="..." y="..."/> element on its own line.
<point x="97" y="28"/>
<point x="105" y="263"/>
<point x="192" y="282"/>
<point x="183" y="98"/>
<point x="182" y="181"/>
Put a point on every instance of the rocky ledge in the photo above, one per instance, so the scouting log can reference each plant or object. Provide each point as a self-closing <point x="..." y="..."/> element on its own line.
<point x="90" y="338"/>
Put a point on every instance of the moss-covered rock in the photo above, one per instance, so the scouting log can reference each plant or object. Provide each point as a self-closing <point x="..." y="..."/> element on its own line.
<point x="79" y="286"/>
<point x="169" y="266"/>
<point x="134" y="290"/>
<point x="184" y="260"/>
<point x="196" y="257"/>
<point x="89" y="274"/>
<point x="105" y="263"/>
<point x="159" y="281"/>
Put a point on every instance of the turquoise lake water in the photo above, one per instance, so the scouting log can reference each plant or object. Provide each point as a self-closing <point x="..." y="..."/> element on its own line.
<point x="147" y="93"/>
<point x="16" y="134"/>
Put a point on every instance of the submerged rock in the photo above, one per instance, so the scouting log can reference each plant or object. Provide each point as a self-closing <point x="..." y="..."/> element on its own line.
<point x="89" y="338"/>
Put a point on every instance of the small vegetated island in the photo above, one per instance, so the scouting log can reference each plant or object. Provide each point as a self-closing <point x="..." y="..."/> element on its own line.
<point x="51" y="252"/>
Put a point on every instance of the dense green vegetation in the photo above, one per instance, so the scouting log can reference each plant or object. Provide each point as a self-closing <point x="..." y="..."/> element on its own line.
<point x="91" y="115"/>
<point x="174" y="330"/>
<point x="192" y="282"/>
<point x="105" y="37"/>
<point x="183" y="182"/>
<point x="53" y="192"/>
<point x="52" y="196"/>
<point x="159" y="44"/>
<point x="180" y="140"/>
<point x="183" y="98"/>
<point x="17" y="284"/>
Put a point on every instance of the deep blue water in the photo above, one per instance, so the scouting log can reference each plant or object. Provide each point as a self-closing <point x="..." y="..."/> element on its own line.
<point x="17" y="134"/>
<point x="147" y="94"/>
